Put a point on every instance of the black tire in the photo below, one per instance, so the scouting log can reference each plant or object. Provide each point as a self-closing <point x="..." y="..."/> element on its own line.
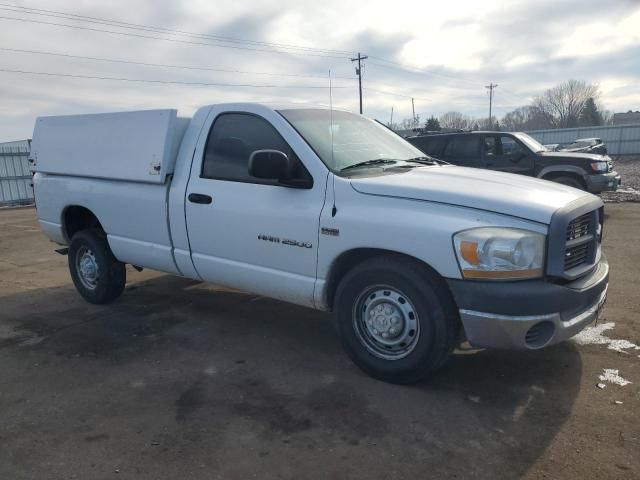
<point x="569" y="181"/>
<point x="111" y="274"/>
<point x="437" y="318"/>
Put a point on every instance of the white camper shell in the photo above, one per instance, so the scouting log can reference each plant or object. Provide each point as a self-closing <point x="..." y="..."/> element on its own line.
<point x="133" y="146"/>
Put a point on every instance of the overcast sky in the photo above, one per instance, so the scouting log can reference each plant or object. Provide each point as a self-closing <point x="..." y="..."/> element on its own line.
<point x="442" y="53"/>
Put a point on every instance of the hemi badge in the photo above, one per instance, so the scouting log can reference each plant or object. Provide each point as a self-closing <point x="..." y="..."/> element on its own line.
<point x="334" y="232"/>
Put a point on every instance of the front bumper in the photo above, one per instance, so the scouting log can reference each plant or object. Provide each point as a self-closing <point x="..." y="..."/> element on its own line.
<point x="603" y="182"/>
<point x="529" y="314"/>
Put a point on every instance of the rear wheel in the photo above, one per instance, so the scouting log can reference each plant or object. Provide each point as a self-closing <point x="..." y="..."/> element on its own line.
<point x="397" y="320"/>
<point x="95" y="272"/>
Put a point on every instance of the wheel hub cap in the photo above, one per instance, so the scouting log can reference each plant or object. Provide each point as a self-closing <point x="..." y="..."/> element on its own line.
<point x="386" y="322"/>
<point x="87" y="267"/>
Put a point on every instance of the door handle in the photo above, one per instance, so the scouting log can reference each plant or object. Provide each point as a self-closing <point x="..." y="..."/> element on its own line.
<point x="200" y="198"/>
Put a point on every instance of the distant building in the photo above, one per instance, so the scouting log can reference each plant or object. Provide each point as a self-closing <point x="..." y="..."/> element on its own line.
<point x="626" y="118"/>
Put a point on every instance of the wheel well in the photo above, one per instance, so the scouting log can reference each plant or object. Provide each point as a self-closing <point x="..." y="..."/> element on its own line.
<point x="553" y="175"/>
<point x="347" y="260"/>
<point x="76" y="218"/>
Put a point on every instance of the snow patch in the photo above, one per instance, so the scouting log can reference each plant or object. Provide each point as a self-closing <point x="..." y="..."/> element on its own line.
<point x="594" y="336"/>
<point x="630" y="190"/>
<point x="611" y="375"/>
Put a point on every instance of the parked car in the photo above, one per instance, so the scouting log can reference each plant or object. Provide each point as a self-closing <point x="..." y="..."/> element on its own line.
<point x="585" y="145"/>
<point x="519" y="153"/>
<point x="328" y="210"/>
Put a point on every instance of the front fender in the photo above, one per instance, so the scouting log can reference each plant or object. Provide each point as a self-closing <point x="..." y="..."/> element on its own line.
<point x="571" y="169"/>
<point x="418" y="229"/>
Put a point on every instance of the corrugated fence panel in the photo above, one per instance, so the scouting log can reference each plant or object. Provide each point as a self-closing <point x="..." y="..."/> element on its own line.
<point x="15" y="177"/>
<point x="620" y="139"/>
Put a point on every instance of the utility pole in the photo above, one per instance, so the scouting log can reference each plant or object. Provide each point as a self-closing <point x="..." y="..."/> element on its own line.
<point x="391" y="120"/>
<point x="359" y="73"/>
<point x="490" y="87"/>
<point x="413" y="109"/>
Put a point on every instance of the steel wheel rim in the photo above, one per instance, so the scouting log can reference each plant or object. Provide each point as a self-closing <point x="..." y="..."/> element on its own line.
<point x="386" y="322"/>
<point x="87" y="268"/>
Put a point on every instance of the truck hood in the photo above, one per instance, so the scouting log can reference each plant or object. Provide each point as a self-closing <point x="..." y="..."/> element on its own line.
<point x="505" y="193"/>
<point x="591" y="157"/>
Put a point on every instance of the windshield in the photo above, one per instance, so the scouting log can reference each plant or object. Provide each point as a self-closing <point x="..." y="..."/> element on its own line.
<point x="532" y="143"/>
<point x="356" y="139"/>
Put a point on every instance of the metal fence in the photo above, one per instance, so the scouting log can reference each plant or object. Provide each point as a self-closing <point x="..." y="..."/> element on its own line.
<point x="620" y="139"/>
<point x="15" y="177"/>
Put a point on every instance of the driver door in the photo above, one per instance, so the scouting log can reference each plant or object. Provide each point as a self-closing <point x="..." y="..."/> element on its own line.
<point x="505" y="154"/>
<point x="249" y="233"/>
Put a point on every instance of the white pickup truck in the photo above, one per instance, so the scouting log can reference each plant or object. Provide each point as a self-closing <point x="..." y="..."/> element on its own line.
<point x="326" y="209"/>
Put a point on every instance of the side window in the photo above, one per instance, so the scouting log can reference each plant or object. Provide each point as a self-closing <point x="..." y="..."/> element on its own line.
<point x="463" y="151"/>
<point x="232" y="139"/>
<point x="490" y="147"/>
<point x="511" y="148"/>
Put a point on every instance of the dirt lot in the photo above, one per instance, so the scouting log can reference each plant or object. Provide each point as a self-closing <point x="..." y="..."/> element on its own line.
<point x="180" y="380"/>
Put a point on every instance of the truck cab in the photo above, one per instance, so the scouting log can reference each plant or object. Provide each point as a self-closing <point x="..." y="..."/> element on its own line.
<point x="521" y="154"/>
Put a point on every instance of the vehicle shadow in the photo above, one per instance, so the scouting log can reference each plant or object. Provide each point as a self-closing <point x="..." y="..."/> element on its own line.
<point x="176" y="374"/>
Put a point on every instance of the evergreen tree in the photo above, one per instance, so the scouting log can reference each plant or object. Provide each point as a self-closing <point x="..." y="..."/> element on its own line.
<point x="432" y="124"/>
<point x="590" y="116"/>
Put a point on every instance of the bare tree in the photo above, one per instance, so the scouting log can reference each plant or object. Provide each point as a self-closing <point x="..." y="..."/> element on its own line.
<point x="526" y="118"/>
<point x="564" y="103"/>
<point x="410" y="123"/>
<point x="455" y="120"/>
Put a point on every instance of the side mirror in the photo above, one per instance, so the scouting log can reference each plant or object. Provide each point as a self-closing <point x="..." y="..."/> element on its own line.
<point x="275" y="165"/>
<point x="270" y="165"/>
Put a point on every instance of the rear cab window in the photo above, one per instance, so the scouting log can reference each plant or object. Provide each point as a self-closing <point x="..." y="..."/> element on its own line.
<point x="429" y="145"/>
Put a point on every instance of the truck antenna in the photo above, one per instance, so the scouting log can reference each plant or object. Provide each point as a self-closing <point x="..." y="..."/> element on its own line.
<point x="334" y="210"/>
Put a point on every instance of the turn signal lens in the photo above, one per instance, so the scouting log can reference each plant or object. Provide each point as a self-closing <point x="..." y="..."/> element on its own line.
<point x="469" y="251"/>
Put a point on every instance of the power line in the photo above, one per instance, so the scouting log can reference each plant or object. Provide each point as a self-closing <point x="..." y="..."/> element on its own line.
<point x="399" y="66"/>
<point x="152" y="28"/>
<point x="174" y="40"/>
<point x="168" y="82"/>
<point x="472" y="85"/>
<point x="515" y="96"/>
<point x="394" y="94"/>
<point x="162" y="65"/>
<point x="403" y="95"/>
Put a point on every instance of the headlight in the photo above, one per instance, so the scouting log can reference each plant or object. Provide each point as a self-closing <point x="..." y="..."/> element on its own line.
<point x="599" y="167"/>
<point x="500" y="253"/>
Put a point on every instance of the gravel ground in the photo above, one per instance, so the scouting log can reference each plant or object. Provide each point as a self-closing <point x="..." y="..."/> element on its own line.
<point x="629" y="168"/>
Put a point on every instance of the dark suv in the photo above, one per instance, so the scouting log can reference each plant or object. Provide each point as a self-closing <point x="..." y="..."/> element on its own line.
<point x="519" y="153"/>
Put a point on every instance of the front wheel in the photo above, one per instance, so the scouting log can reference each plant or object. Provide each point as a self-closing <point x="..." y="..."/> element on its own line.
<point x="97" y="275"/>
<point x="569" y="181"/>
<point x="396" y="318"/>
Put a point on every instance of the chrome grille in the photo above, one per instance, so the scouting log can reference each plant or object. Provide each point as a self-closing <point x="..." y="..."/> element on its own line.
<point x="581" y="240"/>
<point x="579" y="227"/>
<point x="573" y="239"/>
<point x="575" y="256"/>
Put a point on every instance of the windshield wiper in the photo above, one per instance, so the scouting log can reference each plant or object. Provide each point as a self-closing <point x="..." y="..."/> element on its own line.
<point x="375" y="161"/>
<point x="426" y="160"/>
